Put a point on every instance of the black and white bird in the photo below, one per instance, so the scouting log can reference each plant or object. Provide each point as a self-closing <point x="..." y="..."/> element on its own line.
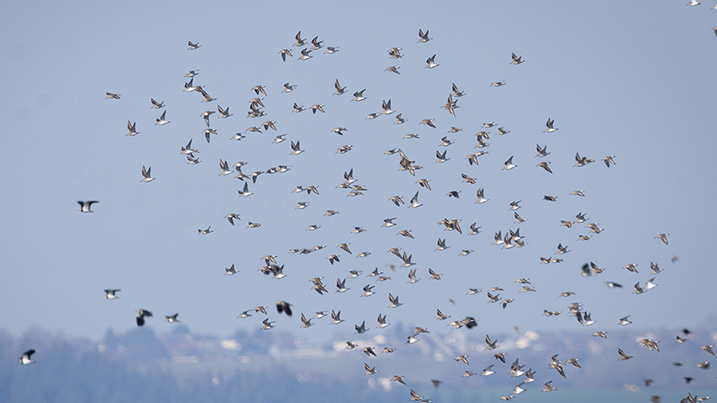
<point x="25" y="359"/>
<point x="283" y="307"/>
<point x="111" y="293"/>
<point x="141" y="314"/>
<point x="86" y="206"/>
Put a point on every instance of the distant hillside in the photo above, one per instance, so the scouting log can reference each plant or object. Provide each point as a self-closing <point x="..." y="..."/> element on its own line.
<point x="269" y="366"/>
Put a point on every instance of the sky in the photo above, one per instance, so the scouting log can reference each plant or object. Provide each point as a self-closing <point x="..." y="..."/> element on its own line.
<point x="633" y="80"/>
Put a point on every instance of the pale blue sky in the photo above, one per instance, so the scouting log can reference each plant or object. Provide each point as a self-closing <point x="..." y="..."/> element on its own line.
<point x="630" y="79"/>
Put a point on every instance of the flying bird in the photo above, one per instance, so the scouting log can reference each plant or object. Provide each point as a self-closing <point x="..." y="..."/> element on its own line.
<point x="663" y="237"/>
<point x="132" y="128"/>
<point x="423" y="36"/>
<point x="141" y="314"/>
<point x="550" y="126"/>
<point x="162" y="120"/>
<point x="86" y="206"/>
<point x="147" y="174"/>
<point x="283" y="307"/>
<point x="111" y="293"/>
<point x="26" y="357"/>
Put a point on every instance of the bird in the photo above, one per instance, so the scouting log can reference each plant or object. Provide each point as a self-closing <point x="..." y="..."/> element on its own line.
<point x="297" y="108"/>
<point x="358" y="96"/>
<point x="423" y="36"/>
<point x="231" y="217"/>
<point x="394" y="301"/>
<point x="299" y="41"/>
<point x="284" y="307"/>
<point x="188" y="148"/>
<point x="305" y="54"/>
<point x="26" y="357"/>
<point x="206" y="115"/>
<point x="463" y="359"/>
<point x="339" y="89"/>
<point x="544" y="165"/>
<point x="223" y="113"/>
<point x="431" y="62"/>
<point x="266" y="324"/>
<point x="381" y="322"/>
<point x="86" y="206"/>
<point x="442" y="244"/>
<point x="339" y="130"/>
<point x="162" y="120"/>
<point x="609" y="160"/>
<point x="428" y="122"/>
<point x="516" y="59"/>
<point x="305" y="322"/>
<point x="386" y="106"/>
<point x="132" y="128"/>
<point x="663" y="237"/>
<point x="508" y="164"/>
<point x="230" y="270"/>
<point x="284" y="53"/>
<point x="369" y="370"/>
<point x="193" y="46"/>
<point x="550" y="126"/>
<point x="147" y="174"/>
<point x="245" y="191"/>
<point x="582" y="161"/>
<point x="141" y="314"/>
<point x="491" y="344"/>
<point x="481" y="197"/>
<point x="111" y="293"/>
<point x="395" y="53"/>
<point x="156" y="105"/>
<point x="336" y="317"/>
<point x="414" y="202"/>
<point x="622" y="354"/>
<point x="488" y="371"/>
<point x="369" y="351"/>
<point x="296" y="148"/>
<point x="398" y="378"/>
<point x="542" y="151"/>
<point x="172" y="318"/>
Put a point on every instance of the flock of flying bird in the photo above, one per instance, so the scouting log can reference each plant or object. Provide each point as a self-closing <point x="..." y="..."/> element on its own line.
<point x="505" y="240"/>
